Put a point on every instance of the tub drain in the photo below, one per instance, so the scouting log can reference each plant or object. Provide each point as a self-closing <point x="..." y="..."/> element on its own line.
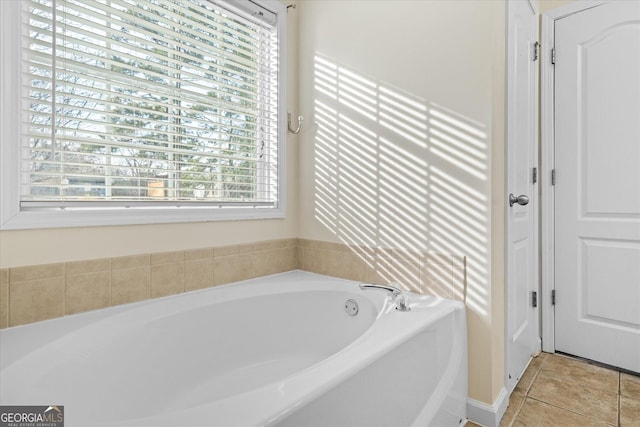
<point x="351" y="307"/>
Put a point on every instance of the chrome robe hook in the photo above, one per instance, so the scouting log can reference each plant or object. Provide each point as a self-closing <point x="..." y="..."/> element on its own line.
<point x="296" y="130"/>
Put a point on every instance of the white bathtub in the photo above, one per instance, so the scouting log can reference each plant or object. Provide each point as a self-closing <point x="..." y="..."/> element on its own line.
<point x="275" y="351"/>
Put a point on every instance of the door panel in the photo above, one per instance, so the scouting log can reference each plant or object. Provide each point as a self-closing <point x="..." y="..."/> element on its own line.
<point x="597" y="193"/>
<point x="522" y="270"/>
<point x="605" y="301"/>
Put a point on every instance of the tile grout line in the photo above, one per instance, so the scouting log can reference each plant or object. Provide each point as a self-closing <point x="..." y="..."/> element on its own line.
<point x="526" y="393"/>
<point x="619" y="396"/>
<point x="572" y="411"/>
<point x="515" y="416"/>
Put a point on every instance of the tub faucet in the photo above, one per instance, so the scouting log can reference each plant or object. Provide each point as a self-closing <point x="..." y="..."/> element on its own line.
<point x="399" y="298"/>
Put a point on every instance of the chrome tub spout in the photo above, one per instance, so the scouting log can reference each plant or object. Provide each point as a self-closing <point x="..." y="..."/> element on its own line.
<point x="398" y="297"/>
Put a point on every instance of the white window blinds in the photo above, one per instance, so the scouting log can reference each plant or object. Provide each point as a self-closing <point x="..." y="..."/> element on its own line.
<point x="149" y="102"/>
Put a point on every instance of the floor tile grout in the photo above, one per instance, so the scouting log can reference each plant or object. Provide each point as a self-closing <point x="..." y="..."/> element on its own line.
<point x="576" y="372"/>
<point x="568" y="410"/>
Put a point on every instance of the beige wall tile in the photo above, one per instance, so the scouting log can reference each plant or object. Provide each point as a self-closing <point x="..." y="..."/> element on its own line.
<point x="408" y="255"/>
<point x="134" y="261"/>
<point x="344" y="265"/>
<point x="325" y="246"/>
<point x="35" y="272"/>
<point x="459" y="284"/>
<point x="378" y="270"/>
<point x="304" y="243"/>
<point x="91" y="266"/>
<point x="198" y="274"/>
<point x="437" y="279"/>
<point x="130" y="285"/>
<point x="36" y="300"/>
<point x="248" y="264"/>
<point x="406" y="275"/>
<point x="398" y="272"/>
<point x="4" y="298"/>
<point x="267" y="245"/>
<point x="225" y="250"/>
<point x="459" y="261"/>
<point x="265" y="262"/>
<point x="321" y="261"/>
<point x="433" y="276"/>
<point x="89" y="291"/>
<point x="333" y="246"/>
<point x="198" y="254"/>
<point x="97" y="283"/>
<point x="225" y="269"/>
<point x="288" y="259"/>
<point x="290" y="243"/>
<point x="385" y="253"/>
<point x="431" y="257"/>
<point x="304" y="258"/>
<point x="4" y="305"/>
<point x="167" y="257"/>
<point x="167" y="279"/>
<point x="275" y="261"/>
<point x="362" y="252"/>
<point x="313" y="260"/>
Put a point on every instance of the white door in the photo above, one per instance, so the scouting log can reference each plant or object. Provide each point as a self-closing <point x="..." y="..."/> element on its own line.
<point x="522" y="254"/>
<point x="597" y="191"/>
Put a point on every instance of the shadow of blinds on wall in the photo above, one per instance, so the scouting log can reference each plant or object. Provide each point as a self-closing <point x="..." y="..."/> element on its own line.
<point x="151" y="103"/>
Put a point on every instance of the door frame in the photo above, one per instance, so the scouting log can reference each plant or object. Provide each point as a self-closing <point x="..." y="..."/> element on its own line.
<point x="510" y="384"/>
<point x="547" y="163"/>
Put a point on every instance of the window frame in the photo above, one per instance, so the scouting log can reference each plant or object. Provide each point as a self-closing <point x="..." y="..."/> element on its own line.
<point x="12" y="217"/>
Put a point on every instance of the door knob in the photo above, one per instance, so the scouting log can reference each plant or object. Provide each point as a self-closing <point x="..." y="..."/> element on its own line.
<point x="521" y="199"/>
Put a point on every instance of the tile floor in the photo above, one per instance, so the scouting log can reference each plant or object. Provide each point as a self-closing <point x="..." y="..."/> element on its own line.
<point x="558" y="390"/>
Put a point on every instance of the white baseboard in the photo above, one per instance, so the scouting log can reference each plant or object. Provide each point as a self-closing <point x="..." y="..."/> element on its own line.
<point x="488" y="415"/>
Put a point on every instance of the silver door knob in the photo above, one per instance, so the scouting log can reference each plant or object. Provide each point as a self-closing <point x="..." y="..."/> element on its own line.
<point x="521" y="199"/>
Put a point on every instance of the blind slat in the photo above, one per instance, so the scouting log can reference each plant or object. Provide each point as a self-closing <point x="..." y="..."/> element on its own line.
<point x="129" y="81"/>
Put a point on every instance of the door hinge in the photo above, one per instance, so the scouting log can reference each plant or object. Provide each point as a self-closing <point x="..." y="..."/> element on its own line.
<point x="553" y="55"/>
<point x="536" y="51"/>
<point x="553" y="297"/>
<point x="534" y="175"/>
<point x="553" y="177"/>
<point x="534" y="299"/>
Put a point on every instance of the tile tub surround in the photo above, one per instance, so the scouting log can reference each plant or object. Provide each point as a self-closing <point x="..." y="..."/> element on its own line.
<point x="422" y="272"/>
<point x="558" y="390"/>
<point x="40" y="292"/>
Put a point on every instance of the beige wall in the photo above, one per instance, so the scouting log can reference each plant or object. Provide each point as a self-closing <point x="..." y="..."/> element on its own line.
<point x="403" y="144"/>
<point x="33" y="247"/>
<point x="43" y="246"/>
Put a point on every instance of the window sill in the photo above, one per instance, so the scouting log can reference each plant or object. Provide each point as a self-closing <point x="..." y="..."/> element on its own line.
<point x="136" y="216"/>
